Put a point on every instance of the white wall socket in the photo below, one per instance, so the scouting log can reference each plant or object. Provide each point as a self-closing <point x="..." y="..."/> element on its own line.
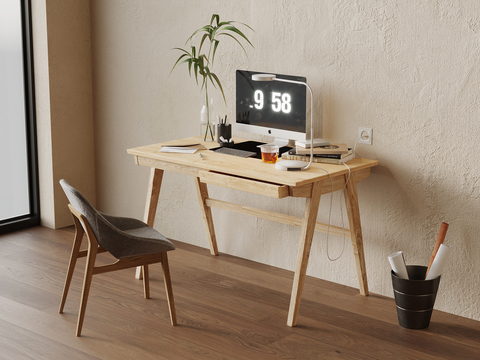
<point x="365" y="135"/>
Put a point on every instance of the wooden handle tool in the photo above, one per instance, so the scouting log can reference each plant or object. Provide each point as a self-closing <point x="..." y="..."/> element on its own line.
<point x="440" y="238"/>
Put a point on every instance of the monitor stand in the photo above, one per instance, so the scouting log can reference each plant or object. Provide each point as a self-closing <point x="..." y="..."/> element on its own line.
<point x="253" y="146"/>
<point x="283" y="143"/>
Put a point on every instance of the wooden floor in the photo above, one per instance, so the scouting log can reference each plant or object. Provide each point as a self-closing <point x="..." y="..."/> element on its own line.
<point x="227" y="308"/>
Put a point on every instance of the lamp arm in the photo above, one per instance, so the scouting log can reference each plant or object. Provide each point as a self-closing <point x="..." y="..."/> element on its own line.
<point x="311" y="114"/>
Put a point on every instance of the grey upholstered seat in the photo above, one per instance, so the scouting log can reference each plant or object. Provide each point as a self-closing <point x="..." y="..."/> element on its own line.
<point x="122" y="237"/>
<point x="131" y="241"/>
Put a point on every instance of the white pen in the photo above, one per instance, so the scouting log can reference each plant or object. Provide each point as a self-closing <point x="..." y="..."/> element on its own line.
<point x="201" y="156"/>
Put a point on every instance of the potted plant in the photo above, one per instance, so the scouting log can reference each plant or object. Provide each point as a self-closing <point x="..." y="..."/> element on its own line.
<point x="201" y="63"/>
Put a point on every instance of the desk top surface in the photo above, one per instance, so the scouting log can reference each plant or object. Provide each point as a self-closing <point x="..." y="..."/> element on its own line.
<point x="245" y="167"/>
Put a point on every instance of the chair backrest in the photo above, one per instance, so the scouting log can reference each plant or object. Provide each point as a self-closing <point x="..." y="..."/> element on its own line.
<point x="78" y="201"/>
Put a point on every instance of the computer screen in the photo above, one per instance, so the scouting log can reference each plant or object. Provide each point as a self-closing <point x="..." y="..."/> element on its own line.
<point x="271" y="108"/>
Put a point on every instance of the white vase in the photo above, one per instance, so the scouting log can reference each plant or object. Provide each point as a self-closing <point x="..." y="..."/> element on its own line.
<point x="207" y="122"/>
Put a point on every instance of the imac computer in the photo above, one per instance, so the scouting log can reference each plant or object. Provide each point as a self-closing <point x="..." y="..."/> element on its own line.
<point x="272" y="108"/>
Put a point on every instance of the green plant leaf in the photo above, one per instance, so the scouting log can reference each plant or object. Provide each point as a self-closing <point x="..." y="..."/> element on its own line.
<point x="215" y="16"/>
<point x="209" y="76"/>
<point x="177" y="62"/>
<point x="216" y="42"/>
<point x="237" y="22"/>
<point x="223" y="23"/>
<point x="190" y="66"/>
<point x="180" y="58"/>
<point x="206" y="28"/>
<point x="204" y="83"/>
<point x="234" y="38"/>
<point x="204" y="37"/>
<point x="235" y="30"/>
<point x="195" y="69"/>
<point x="219" y="85"/>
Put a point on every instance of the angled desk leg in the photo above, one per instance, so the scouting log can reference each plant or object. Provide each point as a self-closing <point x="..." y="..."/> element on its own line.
<point x="351" y="202"/>
<point x="202" y="193"/>
<point x="153" y="192"/>
<point x="308" y="228"/>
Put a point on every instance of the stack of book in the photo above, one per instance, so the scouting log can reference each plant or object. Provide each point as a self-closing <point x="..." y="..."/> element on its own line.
<point x="331" y="154"/>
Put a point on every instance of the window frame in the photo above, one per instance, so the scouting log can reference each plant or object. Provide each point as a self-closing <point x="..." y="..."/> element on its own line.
<point x="33" y="218"/>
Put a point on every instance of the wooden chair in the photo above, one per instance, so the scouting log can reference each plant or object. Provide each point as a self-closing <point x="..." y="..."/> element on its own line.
<point x="132" y="242"/>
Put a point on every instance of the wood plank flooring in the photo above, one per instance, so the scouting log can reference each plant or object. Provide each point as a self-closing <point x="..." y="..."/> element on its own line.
<point x="227" y="308"/>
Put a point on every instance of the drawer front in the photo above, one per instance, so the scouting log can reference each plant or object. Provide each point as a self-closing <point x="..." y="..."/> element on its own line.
<point x="248" y="185"/>
<point x="167" y="166"/>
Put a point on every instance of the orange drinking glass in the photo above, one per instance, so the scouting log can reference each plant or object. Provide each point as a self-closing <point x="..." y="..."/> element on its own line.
<point x="269" y="153"/>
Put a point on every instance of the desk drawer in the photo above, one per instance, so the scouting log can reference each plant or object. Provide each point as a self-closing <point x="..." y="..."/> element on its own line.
<point x="248" y="185"/>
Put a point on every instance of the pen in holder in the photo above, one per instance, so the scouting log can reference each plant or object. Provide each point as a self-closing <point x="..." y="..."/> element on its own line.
<point x="224" y="133"/>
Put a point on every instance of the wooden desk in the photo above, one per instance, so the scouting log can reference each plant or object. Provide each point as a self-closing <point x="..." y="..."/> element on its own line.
<point x="254" y="176"/>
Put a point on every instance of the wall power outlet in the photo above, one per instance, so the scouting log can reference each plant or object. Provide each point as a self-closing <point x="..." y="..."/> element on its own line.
<point x="365" y="135"/>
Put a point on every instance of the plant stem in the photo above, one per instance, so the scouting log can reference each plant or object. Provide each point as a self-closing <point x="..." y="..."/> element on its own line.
<point x="208" y="128"/>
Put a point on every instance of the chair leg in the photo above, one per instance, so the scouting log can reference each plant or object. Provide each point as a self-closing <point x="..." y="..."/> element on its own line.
<point x="168" y="288"/>
<point x="146" y="282"/>
<point x="77" y="242"/>
<point x="92" y="254"/>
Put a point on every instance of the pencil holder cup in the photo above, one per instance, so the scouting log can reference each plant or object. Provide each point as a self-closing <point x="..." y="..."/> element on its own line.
<point x="414" y="297"/>
<point x="224" y="135"/>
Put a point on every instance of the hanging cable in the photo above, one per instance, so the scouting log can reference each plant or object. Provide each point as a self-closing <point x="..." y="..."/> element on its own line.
<point x="341" y="212"/>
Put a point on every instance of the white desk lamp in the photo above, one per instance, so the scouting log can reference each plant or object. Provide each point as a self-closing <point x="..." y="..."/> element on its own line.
<point x="292" y="165"/>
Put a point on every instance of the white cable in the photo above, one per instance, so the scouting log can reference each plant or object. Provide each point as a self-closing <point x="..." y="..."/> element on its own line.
<point x="330" y="211"/>
<point x="355" y="147"/>
<point x="341" y="212"/>
<point x="341" y="215"/>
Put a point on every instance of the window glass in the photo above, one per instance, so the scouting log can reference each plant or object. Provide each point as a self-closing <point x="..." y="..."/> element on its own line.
<point x="14" y="189"/>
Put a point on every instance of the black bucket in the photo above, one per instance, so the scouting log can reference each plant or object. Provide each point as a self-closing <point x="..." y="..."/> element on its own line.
<point x="415" y="297"/>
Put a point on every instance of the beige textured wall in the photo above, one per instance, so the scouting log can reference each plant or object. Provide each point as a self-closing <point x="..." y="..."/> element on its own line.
<point x="63" y="86"/>
<point x="409" y="72"/>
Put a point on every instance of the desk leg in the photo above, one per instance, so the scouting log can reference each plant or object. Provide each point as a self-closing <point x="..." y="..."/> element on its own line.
<point x="308" y="228"/>
<point x="351" y="202"/>
<point x="153" y="192"/>
<point x="202" y="193"/>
